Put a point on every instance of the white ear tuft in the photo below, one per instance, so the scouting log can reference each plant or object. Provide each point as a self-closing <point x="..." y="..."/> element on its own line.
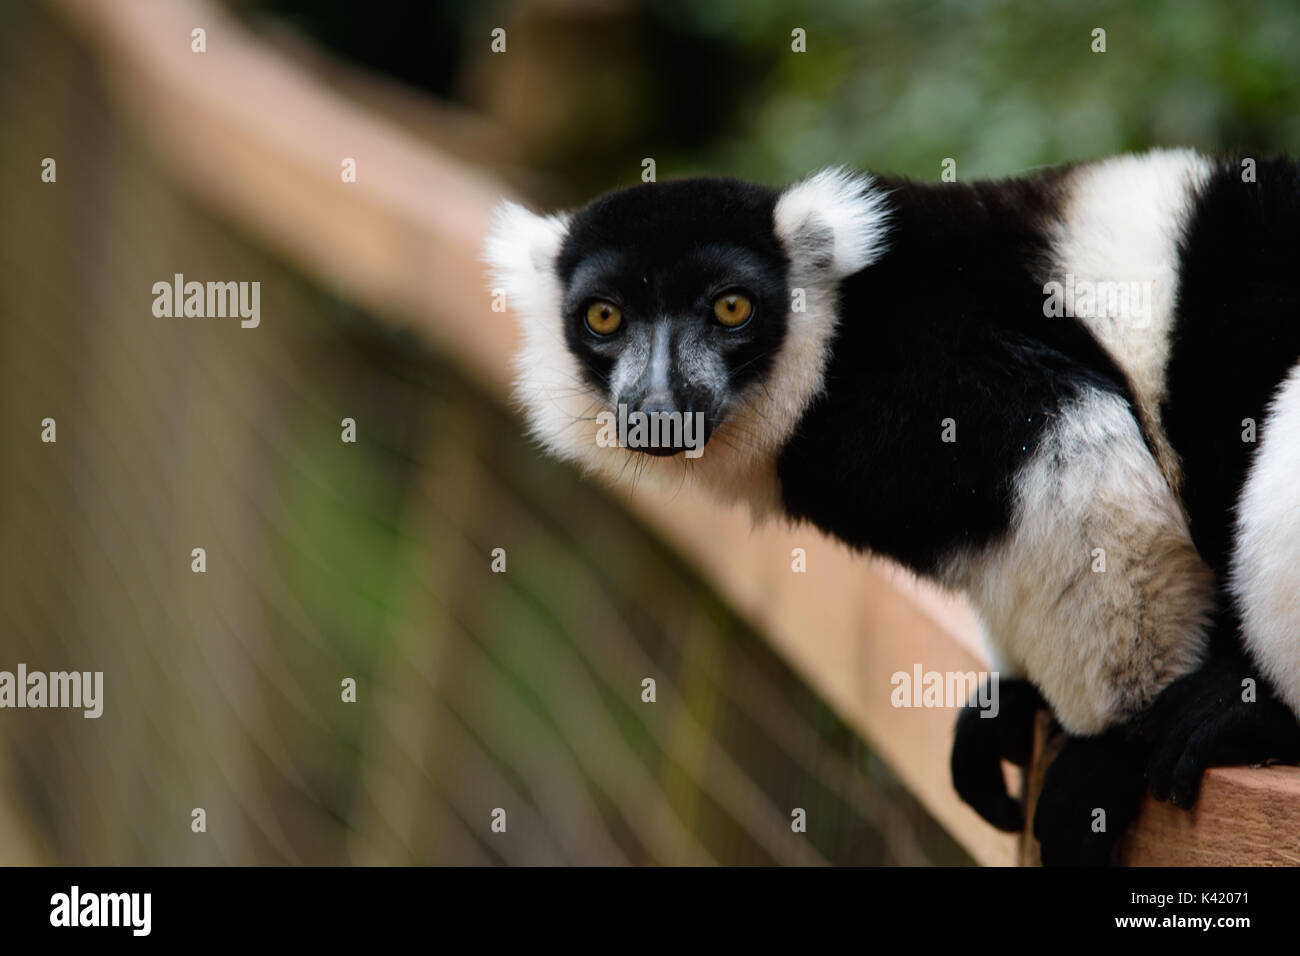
<point x="521" y="248"/>
<point x="835" y="220"/>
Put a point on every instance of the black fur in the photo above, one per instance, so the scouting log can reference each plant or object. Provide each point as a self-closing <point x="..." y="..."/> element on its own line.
<point x="667" y="250"/>
<point x="1090" y="774"/>
<point x="1205" y="720"/>
<point x="948" y="324"/>
<point x="1236" y="334"/>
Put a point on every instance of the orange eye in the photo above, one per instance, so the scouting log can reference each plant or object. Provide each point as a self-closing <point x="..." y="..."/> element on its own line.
<point x="604" y="318"/>
<point x="733" y="310"/>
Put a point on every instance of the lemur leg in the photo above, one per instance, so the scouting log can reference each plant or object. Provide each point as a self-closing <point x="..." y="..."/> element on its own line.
<point x="1242" y="706"/>
<point x="1099" y="595"/>
<point x="981" y="743"/>
<point x="1096" y="591"/>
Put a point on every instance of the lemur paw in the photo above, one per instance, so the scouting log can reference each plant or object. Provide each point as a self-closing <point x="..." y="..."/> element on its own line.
<point x="1222" y="714"/>
<point x="982" y="742"/>
<point x="1090" y="795"/>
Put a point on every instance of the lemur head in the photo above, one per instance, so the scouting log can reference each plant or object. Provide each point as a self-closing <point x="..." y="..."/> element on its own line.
<point x="669" y="315"/>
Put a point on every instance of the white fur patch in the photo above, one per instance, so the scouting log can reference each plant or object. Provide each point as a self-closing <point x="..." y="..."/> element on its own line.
<point x="849" y="204"/>
<point x="1120" y="224"/>
<point x="1265" y="576"/>
<point x="1098" y="643"/>
<point x="831" y="225"/>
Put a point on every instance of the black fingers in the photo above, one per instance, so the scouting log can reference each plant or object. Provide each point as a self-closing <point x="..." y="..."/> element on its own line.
<point x="983" y="739"/>
<point x="1224" y="713"/>
<point x="1090" y="795"/>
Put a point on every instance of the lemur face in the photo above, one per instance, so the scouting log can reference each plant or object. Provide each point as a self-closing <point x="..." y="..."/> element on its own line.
<point x="674" y="302"/>
<point x="708" y="304"/>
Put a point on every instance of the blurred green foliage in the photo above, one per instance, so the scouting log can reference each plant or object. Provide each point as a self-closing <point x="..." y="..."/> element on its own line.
<point x="586" y="90"/>
<point x="1001" y="86"/>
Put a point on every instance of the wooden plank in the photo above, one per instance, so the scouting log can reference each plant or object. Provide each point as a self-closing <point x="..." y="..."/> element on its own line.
<point x="1246" y="816"/>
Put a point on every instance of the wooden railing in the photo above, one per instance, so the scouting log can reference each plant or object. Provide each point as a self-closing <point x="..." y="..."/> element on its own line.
<point x="262" y="143"/>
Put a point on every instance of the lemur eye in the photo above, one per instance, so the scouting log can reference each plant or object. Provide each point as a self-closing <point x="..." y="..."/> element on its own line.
<point x="604" y="318"/>
<point x="733" y="310"/>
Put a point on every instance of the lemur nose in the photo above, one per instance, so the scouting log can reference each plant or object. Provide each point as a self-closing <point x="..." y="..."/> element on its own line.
<point x="658" y="402"/>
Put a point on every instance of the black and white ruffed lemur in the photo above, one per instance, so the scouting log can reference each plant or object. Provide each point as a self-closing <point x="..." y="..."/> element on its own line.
<point x="993" y="383"/>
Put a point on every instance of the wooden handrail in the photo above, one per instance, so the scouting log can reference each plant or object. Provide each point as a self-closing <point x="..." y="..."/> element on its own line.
<point x="261" y="142"/>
